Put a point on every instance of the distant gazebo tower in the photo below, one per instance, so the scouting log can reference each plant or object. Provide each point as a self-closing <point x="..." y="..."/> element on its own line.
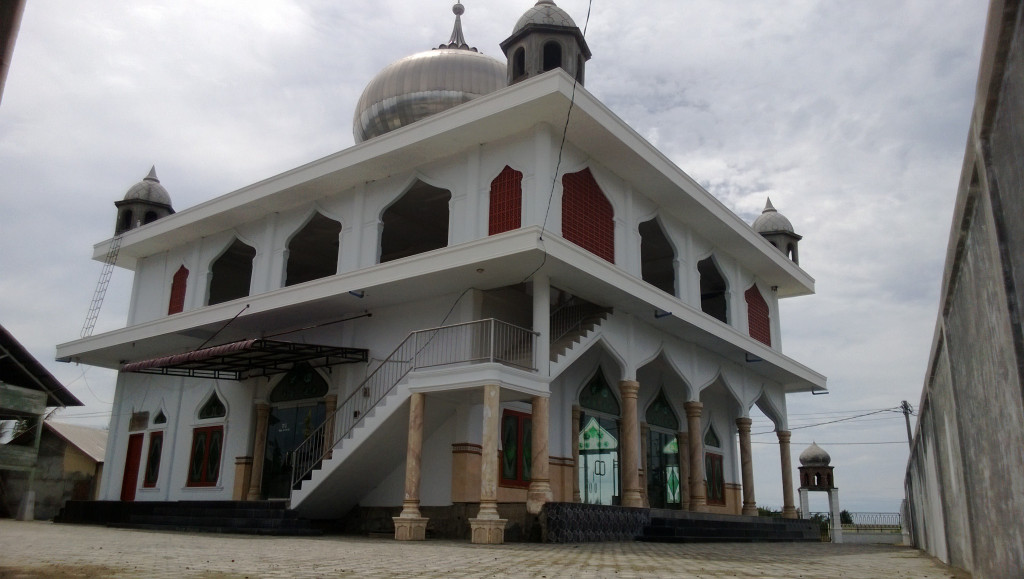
<point x="816" y="475"/>
<point x="145" y="202"/>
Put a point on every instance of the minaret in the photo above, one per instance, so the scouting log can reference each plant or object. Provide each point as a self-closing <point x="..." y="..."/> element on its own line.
<point x="144" y="203"/>
<point x="774" y="227"/>
<point x="545" y="38"/>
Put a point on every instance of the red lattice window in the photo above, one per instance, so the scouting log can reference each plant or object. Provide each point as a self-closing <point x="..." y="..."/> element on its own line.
<point x="588" y="219"/>
<point x="178" y="284"/>
<point x="758" y="320"/>
<point x="506" y="211"/>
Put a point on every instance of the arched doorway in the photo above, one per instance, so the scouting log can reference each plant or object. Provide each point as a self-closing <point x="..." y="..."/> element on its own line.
<point x="663" y="482"/>
<point x="297" y="409"/>
<point x="598" y="441"/>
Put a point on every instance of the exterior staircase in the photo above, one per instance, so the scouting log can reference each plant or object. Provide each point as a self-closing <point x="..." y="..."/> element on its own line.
<point x="573" y="323"/>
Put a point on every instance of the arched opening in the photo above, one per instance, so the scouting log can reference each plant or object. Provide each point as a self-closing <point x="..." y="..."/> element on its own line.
<point x="297" y="409"/>
<point x="664" y="485"/>
<point x="231" y="273"/>
<point x="313" y="251"/>
<point x="417" y="222"/>
<point x="179" y="284"/>
<point x="506" y="210"/>
<point x="126" y="221"/>
<point x="713" y="300"/>
<point x="150" y="217"/>
<point x="598" y="441"/>
<point x="518" y="64"/>
<point x="579" y="69"/>
<point x="552" y="55"/>
<point x="758" y="319"/>
<point x="588" y="219"/>
<point x="657" y="257"/>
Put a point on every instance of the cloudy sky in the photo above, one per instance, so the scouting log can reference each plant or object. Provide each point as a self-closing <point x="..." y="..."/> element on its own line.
<point x="851" y="114"/>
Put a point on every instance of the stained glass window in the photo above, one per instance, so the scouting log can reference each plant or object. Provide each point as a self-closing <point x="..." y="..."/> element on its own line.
<point x="160" y="418"/>
<point x="213" y="408"/>
<point x="156" y="444"/>
<point x="204" y="463"/>
<point x="597" y="395"/>
<point x="660" y="413"/>
<point x="300" y="383"/>
<point x="516" y="448"/>
<point x="711" y="438"/>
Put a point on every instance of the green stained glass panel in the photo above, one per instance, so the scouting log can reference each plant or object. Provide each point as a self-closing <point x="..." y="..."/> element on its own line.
<point x="213" y="408"/>
<point x="597" y="395"/>
<point x="711" y="438"/>
<point x="509" y="445"/>
<point x="527" y="448"/>
<point x="660" y="413"/>
<point x="300" y="383"/>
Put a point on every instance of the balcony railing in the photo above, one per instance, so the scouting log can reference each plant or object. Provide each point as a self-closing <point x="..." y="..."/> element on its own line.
<point x="460" y="344"/>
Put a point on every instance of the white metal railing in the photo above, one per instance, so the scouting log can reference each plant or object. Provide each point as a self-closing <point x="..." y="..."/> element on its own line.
<point x="460" y="344"/>
<point x="571" y="316"/>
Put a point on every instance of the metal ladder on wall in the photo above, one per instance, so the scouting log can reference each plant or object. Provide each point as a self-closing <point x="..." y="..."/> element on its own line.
<point x="101" y="287"/>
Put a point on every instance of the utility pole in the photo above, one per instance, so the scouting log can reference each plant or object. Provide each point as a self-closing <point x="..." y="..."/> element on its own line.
<point x="905" y="407"/>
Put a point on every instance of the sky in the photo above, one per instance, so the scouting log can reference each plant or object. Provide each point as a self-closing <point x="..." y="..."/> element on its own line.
<point x="852" y="115"/>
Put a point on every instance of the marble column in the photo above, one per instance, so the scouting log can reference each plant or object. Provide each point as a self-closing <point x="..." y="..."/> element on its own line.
<point x="330" y="405"/>
<point x="410" y="525"/>
<point x="630" y="445"/>
<point x="488" y="528"/>
<point x="576" y="453"/>
<point x="698" y="491"/>
<point x="684" y="469"/>
<point x="788" y="509"/>
<point x="540" y="466"/>
<point x="644" y="453"/>
<point x="746" y="467"/>
<point x="259" y="450"/>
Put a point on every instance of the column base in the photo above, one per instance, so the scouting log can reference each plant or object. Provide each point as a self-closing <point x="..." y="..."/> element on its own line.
<point x="789" y="513"/>
<point x="410" y="528"/>
<point x="632" y="498"/>
<point x="488" y="531"/>
<point x="750" y="511"/>
<point x="539" y="493"/>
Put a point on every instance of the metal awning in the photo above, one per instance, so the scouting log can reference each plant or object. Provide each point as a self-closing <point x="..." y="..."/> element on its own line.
<point x="245" y="359"/>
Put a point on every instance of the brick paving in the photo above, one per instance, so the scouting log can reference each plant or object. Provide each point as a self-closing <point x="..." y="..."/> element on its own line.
<point x="37" y="549"/>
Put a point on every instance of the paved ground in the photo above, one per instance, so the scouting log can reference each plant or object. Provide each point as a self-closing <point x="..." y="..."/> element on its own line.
<point x="33" y="550"/>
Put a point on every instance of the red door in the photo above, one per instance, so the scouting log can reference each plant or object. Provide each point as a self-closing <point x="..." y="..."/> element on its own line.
<point x="131" y="467"/>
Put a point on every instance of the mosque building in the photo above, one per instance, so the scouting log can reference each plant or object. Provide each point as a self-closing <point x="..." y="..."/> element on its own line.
<point x="500" y="298"/>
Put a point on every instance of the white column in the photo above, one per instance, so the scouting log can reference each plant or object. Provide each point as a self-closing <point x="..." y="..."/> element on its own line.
<point x="542" y="322"/>
<point x="837" y="523"/>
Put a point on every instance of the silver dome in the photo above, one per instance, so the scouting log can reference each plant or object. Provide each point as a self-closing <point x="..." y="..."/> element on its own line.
<point x="771" y="221"/>
<point x="149" y="189"/>
<point x="544" y="12"/>
<point x="425" y="84"/>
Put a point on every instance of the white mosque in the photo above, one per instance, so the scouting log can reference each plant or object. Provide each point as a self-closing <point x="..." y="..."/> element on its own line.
<point x="502" y="297"/>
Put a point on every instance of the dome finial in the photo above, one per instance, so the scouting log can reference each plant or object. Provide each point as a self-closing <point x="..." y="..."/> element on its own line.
<point x="458" y="39"/>
<point x="768" y="206"/>
<point x="152" y="175"/>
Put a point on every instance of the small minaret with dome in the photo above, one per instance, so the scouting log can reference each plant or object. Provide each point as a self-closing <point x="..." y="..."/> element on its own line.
<point x="545" y="38"/>
<point x="816" y="475"/>
<point x="145" y="202"/>
<point x="774" y="227"/>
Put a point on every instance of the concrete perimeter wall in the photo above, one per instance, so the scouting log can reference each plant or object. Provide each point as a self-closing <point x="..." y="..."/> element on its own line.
<point x="965" y="476"/>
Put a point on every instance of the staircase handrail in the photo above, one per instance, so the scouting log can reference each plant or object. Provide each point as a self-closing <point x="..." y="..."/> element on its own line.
<point x="412" y="353"/>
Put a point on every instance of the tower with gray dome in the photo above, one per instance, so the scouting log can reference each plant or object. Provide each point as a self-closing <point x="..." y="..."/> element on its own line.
<point x="145" y="202"/>
<point x="774" y="227"/>
<point x="545" y="38"/>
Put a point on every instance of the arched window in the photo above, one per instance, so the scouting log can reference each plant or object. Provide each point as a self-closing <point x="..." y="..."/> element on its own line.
<point x="664" y="485"/>
<point x="657" y="257"/>
<point x="598" y="441"/>
<point x="713" y="300"/>
<point x="313" y="251"/>
<point x="714" y="475"/>
<point x="506" y="210"/>
<point x="417" y="222"/>
<point x="207" y="445"/>
<point x="588" y="219"/>
<point x="231" y="273"/>
<point x="126" y="221"/>
<point x="518" y="64"/>
<point x="150" y="217"/>
<point x="758" y="319"/>
<point x="300" y="383"/>
<point x="552" y="56"/>
<point x="179" y="284"/>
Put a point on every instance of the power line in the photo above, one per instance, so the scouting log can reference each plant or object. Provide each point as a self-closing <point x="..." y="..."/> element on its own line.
<point x="829" y="421"/>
